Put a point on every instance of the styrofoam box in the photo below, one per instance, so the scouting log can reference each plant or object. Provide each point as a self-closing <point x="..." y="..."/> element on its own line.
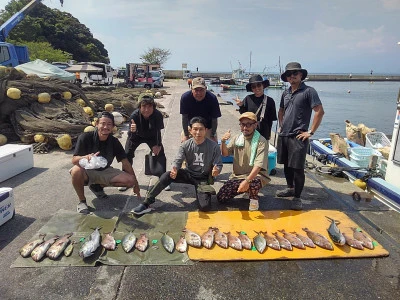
<point x="6" y="204"/>
<point x="15" y="159"/>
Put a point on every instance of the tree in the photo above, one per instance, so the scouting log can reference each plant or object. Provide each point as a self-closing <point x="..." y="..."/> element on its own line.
<point x="155" y="56"/>
<point x="44" y="51"/>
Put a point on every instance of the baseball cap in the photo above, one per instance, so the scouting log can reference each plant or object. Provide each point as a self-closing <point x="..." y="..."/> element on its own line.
<point x="248" y="115"/>
<point x="198" y="82"/>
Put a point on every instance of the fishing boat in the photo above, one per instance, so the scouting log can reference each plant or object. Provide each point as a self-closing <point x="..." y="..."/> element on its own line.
<point x="230" y="87"/>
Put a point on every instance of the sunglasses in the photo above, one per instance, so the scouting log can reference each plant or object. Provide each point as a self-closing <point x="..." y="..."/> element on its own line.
<point x="247" y="125"/>
<point x="290" y="73"/>
<point x="256" y="85"/>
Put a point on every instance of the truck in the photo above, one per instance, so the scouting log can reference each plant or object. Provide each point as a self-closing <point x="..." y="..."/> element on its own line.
<point x="139" y="75"/>
<point x="12" y="55"/>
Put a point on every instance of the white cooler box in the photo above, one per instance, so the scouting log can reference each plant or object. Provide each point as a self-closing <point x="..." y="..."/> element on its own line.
<point x="15" y="159"/>
<point x="6" y="205"/>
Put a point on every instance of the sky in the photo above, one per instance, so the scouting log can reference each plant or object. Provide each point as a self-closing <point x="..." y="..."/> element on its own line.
<point x="341" y="36"/>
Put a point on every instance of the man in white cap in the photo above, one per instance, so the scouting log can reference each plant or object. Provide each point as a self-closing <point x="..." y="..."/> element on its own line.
<point x="250" y="164"/>
<point x="294" y="116"/>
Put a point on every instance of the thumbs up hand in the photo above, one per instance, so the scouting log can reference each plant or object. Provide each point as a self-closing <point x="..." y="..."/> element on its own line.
<point x="226" y="136"/>
<point x="133" y="126"/>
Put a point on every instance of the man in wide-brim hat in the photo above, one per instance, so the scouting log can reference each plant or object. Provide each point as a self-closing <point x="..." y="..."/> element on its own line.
<point x="257" y="79"/>
<point x="292" y="68"/>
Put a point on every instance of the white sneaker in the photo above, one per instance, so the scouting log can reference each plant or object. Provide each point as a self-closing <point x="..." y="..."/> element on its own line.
<point x="167" y="188"/>
<point x="122" y="188"/>
<point x="253" y="205"/>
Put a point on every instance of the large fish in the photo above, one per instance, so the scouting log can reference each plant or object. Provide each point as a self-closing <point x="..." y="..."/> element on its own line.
<point x="318" y="239"/>
<point x="192" y="238"/>
<point x="294" y="240"/>
<point x="69" y="249"/>
<point x="207" y="239"/>
<point x="167" y="242"/>
<point x="272" y="242"/>
<point x="260" y="242"/>
<point x="58" y="247"/>
<point x="363" y="238"/>
<point x="128" y="242"/>
<point x="305" y="240"/>
<point x="284" y="243"/>
<point x="27" y="249"/>
<point x="142" y="242"/>
<point x="234" y="241"/>
<point x="90" y="246"/>
<point x="39" y="252"/>
<point x="181" y="245"/>
<point x="353" y="242"/>
<point x="335" y="234"/>
<point x="108" y="242"/>
<point x="220" y="238"/>
<point x="245" y="240"/>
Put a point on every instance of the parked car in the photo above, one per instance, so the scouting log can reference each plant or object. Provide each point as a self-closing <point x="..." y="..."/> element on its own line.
<point x="158" y="78"/>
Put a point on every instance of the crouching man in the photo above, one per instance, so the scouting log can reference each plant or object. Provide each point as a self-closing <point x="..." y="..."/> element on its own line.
<point x="250" y="162"/>
<point x="100" y="142"/>
<point x="203" y="160"/>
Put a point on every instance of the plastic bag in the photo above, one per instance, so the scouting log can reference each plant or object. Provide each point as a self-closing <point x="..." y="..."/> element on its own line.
<point x="96" y="162"/>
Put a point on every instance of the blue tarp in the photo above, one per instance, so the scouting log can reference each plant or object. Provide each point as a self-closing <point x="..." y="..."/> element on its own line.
<point x="44" y="69"/>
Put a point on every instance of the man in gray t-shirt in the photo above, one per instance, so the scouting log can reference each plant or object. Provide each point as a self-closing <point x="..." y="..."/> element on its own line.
<point x="203" y="159"/>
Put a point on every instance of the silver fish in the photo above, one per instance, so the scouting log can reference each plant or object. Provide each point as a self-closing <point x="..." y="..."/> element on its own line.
<point x="284" y="243"/>
<point x="272" y="242"/>
<point x="142" y="242"/>
<point x="192" y="238"/>
<point x="181" y="245"/>
<point x="363" y="238"/>
<point x="128" y="242"/>
<point x="167" y="242"/>
<point x="260" y="242"/>
<point x="207" y="239"/>
<point x="108" y="242"/>
<point x="221" y="239"/>
<point x="27" y="249"/>
<point x="353" y="242"/>
<point x="294" y="240"/>
<point x="245" y="240"/>
<point x="39" y="252"/>
<point x="58" y="247"/>
<point x="305" y="239"/>
<point x="69" y="249"/>
<point x="335" y="234"/>
<point x="318" y="239"/>
<point x="234" y="241"/>
<point x="90" y="246"/>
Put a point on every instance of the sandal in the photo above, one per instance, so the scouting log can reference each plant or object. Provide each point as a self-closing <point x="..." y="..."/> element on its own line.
<point x="82" y="208"/>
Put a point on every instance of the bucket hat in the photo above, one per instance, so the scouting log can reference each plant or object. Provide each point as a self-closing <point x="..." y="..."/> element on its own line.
<point x="294" y="66"/>
<point x="256" y="79"/>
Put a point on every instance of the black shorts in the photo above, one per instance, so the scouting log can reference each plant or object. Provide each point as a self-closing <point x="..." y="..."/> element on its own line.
<point x="292" y="152"/>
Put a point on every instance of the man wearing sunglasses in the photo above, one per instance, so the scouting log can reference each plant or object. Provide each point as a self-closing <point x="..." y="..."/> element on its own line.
<point x="294" y="116"/>
<point x="250" y="162"/>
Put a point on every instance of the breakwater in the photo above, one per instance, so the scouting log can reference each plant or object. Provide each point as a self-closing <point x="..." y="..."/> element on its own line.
<point x="311" y="77"/>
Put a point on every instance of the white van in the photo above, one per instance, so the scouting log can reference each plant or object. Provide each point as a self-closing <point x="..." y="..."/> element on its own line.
<point x="104" y="77"/>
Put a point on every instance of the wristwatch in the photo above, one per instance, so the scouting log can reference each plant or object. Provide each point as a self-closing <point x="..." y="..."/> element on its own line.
<point x="310" y="132"/>
<point x="248" y="180"/>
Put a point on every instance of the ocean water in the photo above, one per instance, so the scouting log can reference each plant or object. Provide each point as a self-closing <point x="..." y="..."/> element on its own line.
<point x="373" y="104"/>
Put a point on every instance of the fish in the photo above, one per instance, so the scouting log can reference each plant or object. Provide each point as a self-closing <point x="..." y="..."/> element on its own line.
<point x="245" y="240"/>
<point x="192" y="238"/>
<point x="352" y="242"/>
<point x="305" y="240"/>
<point x="90" y="246"/>
<point x="363" y="238"/>
<point x="128" y="242"/>
<point x="207" y="239"/>
<point x="221" y="239"/>
<point x="39" y="252"/>
<point x="58" y="247"/>
<point x="284" y="243"/>
<point x="272" y="242"/>
<point x="167" y="242"/>
<point x="142" y="242"/>
<point x="181" y="245"/>
<point x="260" y="242"/>
<point x="108" y="241"/>
<point x="334" y="233"/>
<point x="27" y="249"/>
<point x="294" y="240"/>
<point x="318" y="239"/>
<point x="69" y="249"/>
<point x="234" y="241"/>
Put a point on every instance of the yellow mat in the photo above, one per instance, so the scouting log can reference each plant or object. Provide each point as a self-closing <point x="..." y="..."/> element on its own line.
<point x="271" y="221"/>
